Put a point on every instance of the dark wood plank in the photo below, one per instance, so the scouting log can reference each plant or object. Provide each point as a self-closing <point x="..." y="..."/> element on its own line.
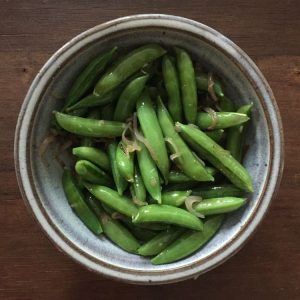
<point x="267" y="268"/>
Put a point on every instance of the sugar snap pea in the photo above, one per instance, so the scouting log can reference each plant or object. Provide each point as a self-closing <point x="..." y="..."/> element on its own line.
<point x="171" y="82"/>
<point x="112" y="199"/>
<point x="183" y="157"/>
<point x="187" y="84"/>
<point x="236" y="135"/>
<point x="214" y="206"/>
<point x="77" y="203"/>
<point x="138" y="191"/>
<point x="88" y="77"/>
<point x="113" y="229"/>
<point x="222" y="120"/>
<point x="149" y="173"/>
<point x="119" y="234"/>
<point x="178" y="177"/>
<point x="120" y="182"/>
<point x="94" y="155"/>
<point x="217" y="156"/>
<point x="124" y="163"/>
<point x="167" y="214"/>
<point x="127" y="100"/>
<point x="153" y="133"/>
<point x="202" y="81"/>
<point x="175" y="198"/>
<point x="94" y="101"/>
<point x="224" y="103"/>
<point x="160" y="242"/>
<point x="91" y="173"/>
<point x="189" y="242"/>
<point x="124" y="68"/>
<point x="89" y="127"/>
<point x="94" y="113"/>
<point x="217" y="191"/>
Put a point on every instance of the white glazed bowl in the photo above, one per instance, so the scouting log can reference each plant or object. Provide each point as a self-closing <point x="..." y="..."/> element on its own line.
<point x="41" y="187"/>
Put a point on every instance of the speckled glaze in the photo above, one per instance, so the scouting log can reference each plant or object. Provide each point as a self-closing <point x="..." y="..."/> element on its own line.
<point x="41" y="186"/>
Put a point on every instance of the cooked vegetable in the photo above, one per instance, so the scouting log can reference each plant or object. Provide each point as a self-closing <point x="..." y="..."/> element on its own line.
<point x="128" y="124"/>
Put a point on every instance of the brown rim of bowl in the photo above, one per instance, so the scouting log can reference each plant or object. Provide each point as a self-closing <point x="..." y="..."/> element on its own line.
<point x="246" y="226"/>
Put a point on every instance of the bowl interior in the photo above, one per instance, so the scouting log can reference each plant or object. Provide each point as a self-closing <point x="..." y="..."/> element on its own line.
<point x="47" y="180"/>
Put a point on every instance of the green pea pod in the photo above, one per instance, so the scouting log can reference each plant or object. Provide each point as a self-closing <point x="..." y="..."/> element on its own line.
<point x="202" y="81"/>
<point x="189" y="242"/>
<point x="113" y="229"/>
<point x="77" y="203"/>
<point x="149" y="173"/>
<point x="112" y="199"/>
<point x="153" y="134"/>
<point x="187" y="85"/>
<point x="214" y="206"/>
<point x="175" y="198"/>
<point x="88" y="77"/>
<point x="91" y="173"/>
<point x="159" y="242"/>
<point x="222" y="120"/>
<point x="217" y="135"/>
<point x="94" y="101"/>
<point x="212" y="171"/>
<point x="127" y="66"/>
<point x="217" y="156"/>
<point x="118" y="233"/>
<point x="183" y="156"/>
<point x="138" y="192"/>
<point x="93" y="114"/>
<point x="120" y="182"/>
<point x="124" y="163"/>
<point x="178" y="177"/>
<point x="128" y="98"/>
<point x="173" y="88"/>
<point x="94" y="155"/>
<point x="89" y="127"/>
<point x="235" y="137"/>
<point x="167" y="214"/>
<point x="217" y="191"/>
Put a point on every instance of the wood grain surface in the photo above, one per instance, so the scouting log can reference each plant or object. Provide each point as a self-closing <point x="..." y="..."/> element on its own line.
<point x="268" y="267"/>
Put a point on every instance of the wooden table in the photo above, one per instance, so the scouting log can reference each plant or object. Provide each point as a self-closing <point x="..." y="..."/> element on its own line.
<point x="268" y="267"/>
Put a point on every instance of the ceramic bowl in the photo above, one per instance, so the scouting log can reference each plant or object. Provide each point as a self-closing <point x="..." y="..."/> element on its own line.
<point x="41" y="186"/>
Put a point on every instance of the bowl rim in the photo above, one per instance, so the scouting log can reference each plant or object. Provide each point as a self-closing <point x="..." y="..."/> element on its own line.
<point x="252" y="73"/>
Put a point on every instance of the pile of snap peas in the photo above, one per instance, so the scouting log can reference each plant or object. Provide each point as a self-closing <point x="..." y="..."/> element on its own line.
<point x="157" y="151"/>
